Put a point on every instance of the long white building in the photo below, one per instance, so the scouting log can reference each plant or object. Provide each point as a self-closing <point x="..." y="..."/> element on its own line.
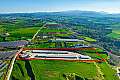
<point x="54" y="54"/>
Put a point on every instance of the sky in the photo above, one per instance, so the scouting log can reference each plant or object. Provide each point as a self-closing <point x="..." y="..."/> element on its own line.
<point x="28" y="6"/>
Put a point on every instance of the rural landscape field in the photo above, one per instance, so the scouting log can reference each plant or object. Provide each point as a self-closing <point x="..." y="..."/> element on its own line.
<point x="59" y="40"/>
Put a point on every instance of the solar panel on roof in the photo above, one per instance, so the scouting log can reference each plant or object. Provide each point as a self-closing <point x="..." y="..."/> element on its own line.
<point x="13" y="44"/>
<point x="4" y="55"/>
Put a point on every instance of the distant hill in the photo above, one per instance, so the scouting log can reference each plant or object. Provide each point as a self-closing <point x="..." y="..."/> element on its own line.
<point x="64" y="13"/>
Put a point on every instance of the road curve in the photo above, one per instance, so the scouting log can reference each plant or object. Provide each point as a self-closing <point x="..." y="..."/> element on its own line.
<point x="7" y="77"/>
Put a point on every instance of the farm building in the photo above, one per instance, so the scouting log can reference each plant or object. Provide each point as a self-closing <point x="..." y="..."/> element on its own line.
<point x="53" y="25"/>
<point x="13" y="44"/>
<point x="54" y="54"/>
<point x="66" y="40"/>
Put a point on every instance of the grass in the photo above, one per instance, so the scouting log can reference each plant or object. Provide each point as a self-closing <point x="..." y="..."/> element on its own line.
<point x="94" y="51"/>
<point x="1" y="39"/>
<point x="2" y="29"/>
<point x="75" y="43"/>
<point x="63" y="35"/>
<point x="7" y="62"/>
<point x="42" y="45"/>
<point x="115" y="34"/>
<point x="116" y="31"/>
<point x="90" y="39"/>
<point x="109" y="74"/>
<point x="17" y="32"/>
<point x="46" y="30"/>
<point x="19" y="71"/>
<point x="22" y="33"/>
<point x="93" y="55"/>
<point x="54" y="70"/>
<point x="87" y="38"/>
<point x="46" y="44"/>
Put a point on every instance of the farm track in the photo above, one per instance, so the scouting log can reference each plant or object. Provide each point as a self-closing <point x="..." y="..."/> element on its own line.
<point x="69" y="49"/>
<point x="7" y="77"/>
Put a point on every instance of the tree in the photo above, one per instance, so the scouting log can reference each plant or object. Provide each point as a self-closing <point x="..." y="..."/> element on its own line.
<point x="4" y="35"/>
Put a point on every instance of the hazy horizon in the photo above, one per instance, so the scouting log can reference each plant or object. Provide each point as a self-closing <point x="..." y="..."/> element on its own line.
<point x="59" y="11"/>
<point x="31" y="6"/>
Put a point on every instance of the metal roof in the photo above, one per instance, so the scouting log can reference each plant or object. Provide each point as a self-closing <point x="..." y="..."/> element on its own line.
<point x="13" y="44"/>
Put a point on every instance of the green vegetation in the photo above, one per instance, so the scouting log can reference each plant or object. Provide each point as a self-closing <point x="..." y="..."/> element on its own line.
<point x="53" y="70"/>
<point x="23" y="33"/>
<point x="19" y="29"/>
<point x="47" y="44"/>
<point x="75" y="43"/>
<point x="108" y="73"/>
<point x="116" y="31"/>
<point x="94" y="51"/>
<point x="95" y="56"/>
<point x="115" y="34"/>
<point x="87" y="38"/>
<point x="42" y="45"/>
<point x="24" y="27"/>
<point x="90" y="39"/>
<point x="19" y="71"/>
<point x="20" y="34"/>
<point x="63" y="35"/>
<point x="46" y="30"/>
<point x="7" y="62"/>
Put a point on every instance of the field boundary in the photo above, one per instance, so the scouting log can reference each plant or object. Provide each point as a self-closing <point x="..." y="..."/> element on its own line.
<point x="68" y="49"/>
<point x="61" y="49"/>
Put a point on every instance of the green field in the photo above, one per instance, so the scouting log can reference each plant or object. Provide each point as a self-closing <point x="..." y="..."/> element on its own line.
<point x="18" y="30"/>
<point x="87" y="38"/>
<point x="115" y="34"/>
<point x="46" y="30"/>
<point x="47" y="44"/>
<point x="116" y="31"/>
<point x="19" y="71"/>
<point x="42" y="45"/>
<point x="108" y="73"/>
<point x="24" y="33"/>
<point x="54" y="70"/>
<point x="90" y="39"/>
<point x="57" y="70"/>
<point x="65" y="33"/>
<point x="95" y="56"/>
<point x="21" y="34"/>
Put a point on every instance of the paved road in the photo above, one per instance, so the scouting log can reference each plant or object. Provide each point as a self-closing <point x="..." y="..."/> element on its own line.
<point x="7" y="77"/>
<point x="11" y="66"/>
